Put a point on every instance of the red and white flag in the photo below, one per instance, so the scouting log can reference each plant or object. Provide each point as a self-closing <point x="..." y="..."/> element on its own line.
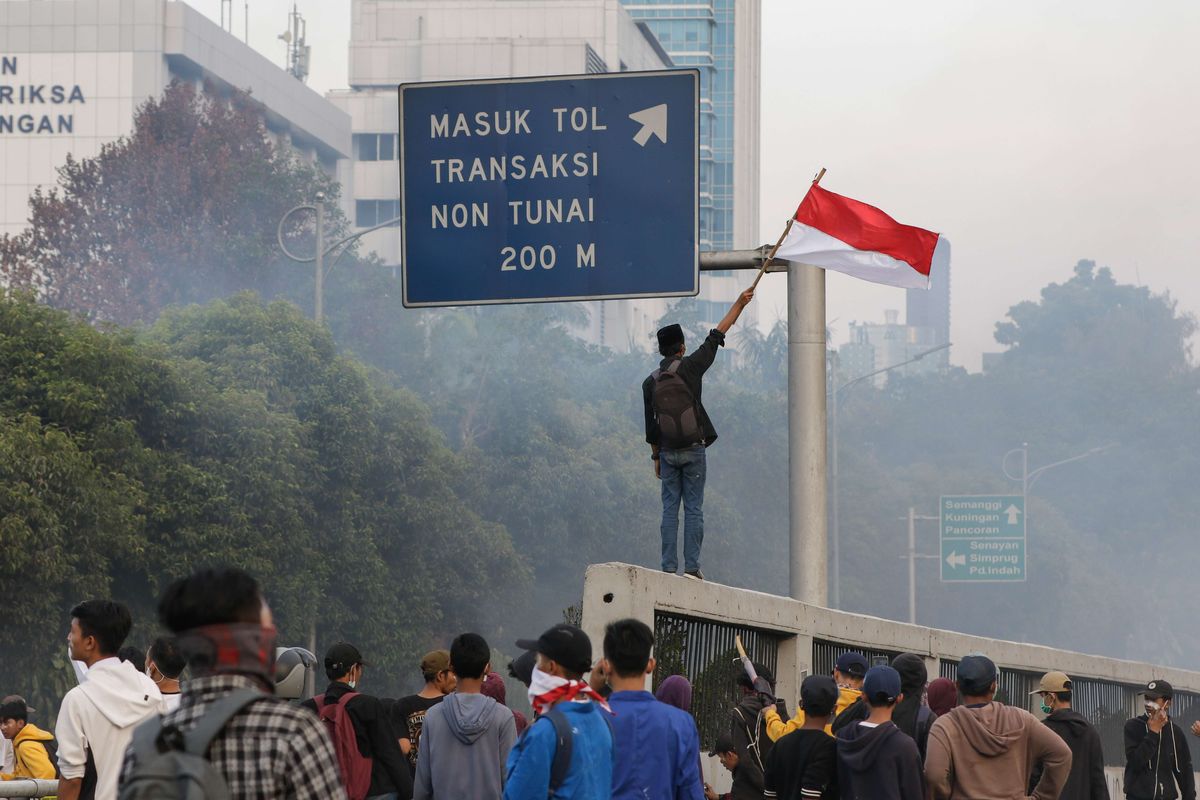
<point x="834" y="232"/>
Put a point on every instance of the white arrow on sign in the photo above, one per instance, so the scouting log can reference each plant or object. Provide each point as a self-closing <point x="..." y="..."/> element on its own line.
<point x="1013" y="512"/>
<point x="955" y="560"/>
<point x="654" y="123"/>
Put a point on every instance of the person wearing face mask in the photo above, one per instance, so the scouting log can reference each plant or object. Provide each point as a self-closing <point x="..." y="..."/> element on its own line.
<point x="1157" y="758"/>
<point x="164" y="665"/>
<point x="1086" y="779"/>
<point x="569" y="711"/>
<point x="389" y="775"/>
<point x="269" y="747"/>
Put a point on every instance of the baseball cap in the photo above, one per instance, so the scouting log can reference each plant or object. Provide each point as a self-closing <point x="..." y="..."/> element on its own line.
<point x="852" y="664"/>
<point x="521" y="667"/>
<point x="13" y="707"/>
<point x="1159" y="689"/>
<point x="723" y="744"/>
<point x="566" y="644"/>
<point x="881" y="685"/>
<point x="1053" y="682"/>
<point x="818" y="695"/>
<point x="976" y="673"/>
<point x="435" y="661"/>
<point x="341" y="657"/>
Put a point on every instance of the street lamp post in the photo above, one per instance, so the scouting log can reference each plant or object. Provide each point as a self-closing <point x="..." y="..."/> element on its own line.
<point x="1027" y="478"/>
<point x="835" y="599"/>
<point x="321" y="250"/>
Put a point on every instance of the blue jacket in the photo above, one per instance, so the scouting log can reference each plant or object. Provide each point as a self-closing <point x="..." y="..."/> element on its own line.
<point x="658" y="750"/>
<point x="590" y="775"/>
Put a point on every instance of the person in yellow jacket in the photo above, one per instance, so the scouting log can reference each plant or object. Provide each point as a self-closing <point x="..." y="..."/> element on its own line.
<point x="28" y="740"/>
<point x="848" y="673"/>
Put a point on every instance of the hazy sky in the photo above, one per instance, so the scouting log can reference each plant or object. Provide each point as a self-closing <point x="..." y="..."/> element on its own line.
<point x="1033" y="133"/>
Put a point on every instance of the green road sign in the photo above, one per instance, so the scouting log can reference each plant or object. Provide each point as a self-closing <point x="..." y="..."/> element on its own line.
<point x="983" y="538"/>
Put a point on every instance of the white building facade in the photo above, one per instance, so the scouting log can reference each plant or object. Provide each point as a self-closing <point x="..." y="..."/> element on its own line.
<point x="401" y="41"/>
<point x="74" y="72"/>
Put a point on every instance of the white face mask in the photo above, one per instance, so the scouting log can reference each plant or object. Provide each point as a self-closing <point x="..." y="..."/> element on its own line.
<point x="542" y="682"/>
<point x="352" y="684"/>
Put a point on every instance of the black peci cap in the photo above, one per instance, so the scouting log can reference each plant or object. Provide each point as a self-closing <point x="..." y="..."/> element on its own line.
<point x="670" y="337"/>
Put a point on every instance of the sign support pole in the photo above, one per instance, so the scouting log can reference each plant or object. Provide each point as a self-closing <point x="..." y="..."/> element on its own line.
<point x="806" y="434"/>
<point x="808" y="534"/>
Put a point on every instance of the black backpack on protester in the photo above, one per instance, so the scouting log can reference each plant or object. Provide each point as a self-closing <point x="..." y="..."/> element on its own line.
<point x="675" y="409"/>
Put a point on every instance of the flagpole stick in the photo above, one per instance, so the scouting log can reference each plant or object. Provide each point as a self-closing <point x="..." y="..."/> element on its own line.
<point x="771" y="256"/>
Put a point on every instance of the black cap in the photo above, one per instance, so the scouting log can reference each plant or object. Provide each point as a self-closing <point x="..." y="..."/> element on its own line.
<point x="1159" y="689"/>
<point x="14" y="707"/>
<point x="521" y="667"/>
<point x="669" y="337"/>
<point x="723" y="744"/>
<point x="852" y="664"/>
<point x="566" y="644"/>
<point x="340" y="658"/>
<point x="818" y="695"/>
<point x="976" y="674"/>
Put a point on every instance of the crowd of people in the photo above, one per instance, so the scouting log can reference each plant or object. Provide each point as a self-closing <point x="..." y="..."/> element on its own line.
<point x="198" y="711"/>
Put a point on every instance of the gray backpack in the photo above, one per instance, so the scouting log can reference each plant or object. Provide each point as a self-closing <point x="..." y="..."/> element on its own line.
<point x="171" y="764"/>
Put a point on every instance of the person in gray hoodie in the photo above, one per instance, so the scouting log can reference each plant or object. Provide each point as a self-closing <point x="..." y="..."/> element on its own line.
<point x="466" y="738"/>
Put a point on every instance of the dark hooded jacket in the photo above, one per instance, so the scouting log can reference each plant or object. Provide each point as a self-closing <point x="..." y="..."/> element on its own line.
<point x="878" y="763"/>
<point x="1086" y="781"/>
<point x="911" y="715"/>
<point x="990" y="750"/>
<point x="1155" y="761"/>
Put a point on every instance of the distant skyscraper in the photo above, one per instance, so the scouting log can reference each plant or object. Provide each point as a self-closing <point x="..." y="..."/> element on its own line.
<point x="930" y="308"/>
<point x="722" y="38"/>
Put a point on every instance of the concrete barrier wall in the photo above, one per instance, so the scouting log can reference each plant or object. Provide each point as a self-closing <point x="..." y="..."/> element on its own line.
<point x="615" y="591"/>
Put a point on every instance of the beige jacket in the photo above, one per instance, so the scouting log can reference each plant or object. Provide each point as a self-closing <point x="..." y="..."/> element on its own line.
<point x="990" y="752"/>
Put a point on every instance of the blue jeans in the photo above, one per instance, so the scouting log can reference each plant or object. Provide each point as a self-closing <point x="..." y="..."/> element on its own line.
<point x="682" y="473"/>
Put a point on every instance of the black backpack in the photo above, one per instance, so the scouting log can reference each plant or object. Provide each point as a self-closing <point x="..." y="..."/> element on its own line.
<point x="675" y="409"/>
<point x="855" y="712"/>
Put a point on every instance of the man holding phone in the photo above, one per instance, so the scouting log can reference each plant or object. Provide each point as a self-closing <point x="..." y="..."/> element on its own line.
<point x="1158" y="763"/>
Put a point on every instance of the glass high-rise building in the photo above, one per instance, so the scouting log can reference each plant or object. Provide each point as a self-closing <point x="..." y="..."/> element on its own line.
<point x="720" y="38"/>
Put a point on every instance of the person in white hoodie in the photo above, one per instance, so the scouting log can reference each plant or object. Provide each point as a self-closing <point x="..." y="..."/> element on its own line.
<point x="97" y="718"/>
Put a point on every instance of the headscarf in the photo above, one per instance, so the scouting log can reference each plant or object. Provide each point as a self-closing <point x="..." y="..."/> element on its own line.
<point x="943" y="696"/>
<point x="913" y="676"/>
<point x="676" y="691"/>
<point x="493" y="687"/>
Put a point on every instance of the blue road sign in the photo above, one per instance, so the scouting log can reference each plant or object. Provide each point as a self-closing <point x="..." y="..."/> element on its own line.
<point x="983" y="538"/>
<point x="537" y="189"/>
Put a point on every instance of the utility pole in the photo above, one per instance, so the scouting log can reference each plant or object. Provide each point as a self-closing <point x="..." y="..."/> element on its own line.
<point x="912" y="555"/>
<point x="319" y="276"/>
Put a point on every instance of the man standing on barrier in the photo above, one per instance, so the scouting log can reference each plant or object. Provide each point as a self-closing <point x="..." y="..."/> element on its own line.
<point x="678" y="430"/>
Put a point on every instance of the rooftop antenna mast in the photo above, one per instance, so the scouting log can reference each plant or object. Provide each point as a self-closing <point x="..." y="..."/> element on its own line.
<point x="246" y="9"/>
<point x="227" y="18"/>
<point x="298" y="51"/>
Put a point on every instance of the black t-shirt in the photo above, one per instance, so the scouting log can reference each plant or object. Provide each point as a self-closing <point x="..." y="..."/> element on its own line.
<point x="803" y="760"/>
<point x="408" y="717"/>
